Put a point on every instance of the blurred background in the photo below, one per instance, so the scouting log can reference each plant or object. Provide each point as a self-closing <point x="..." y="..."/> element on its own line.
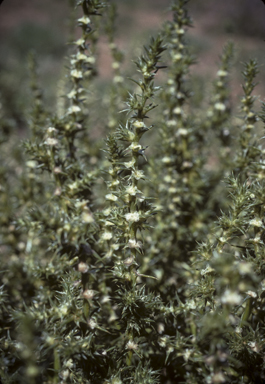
<point x="46" y="26"/>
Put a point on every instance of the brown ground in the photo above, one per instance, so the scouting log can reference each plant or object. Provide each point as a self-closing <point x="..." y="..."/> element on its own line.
<point x="215" y="22"/>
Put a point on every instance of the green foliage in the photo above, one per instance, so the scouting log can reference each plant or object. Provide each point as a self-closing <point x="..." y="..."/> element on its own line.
<point x="135" y="263"/>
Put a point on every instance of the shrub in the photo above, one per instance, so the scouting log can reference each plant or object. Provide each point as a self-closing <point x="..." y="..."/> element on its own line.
<point x="157" y="275"/>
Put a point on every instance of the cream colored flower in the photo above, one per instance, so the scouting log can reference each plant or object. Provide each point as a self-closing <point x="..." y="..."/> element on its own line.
<point x="220" y="106"/>
<point x="88" y="294"/>
<point x="132" y="217"/>
<point x="106" y="235"/>
<point x="76" y="74"/>
<point x="132" y="345"/>
<point x="84" y="20"/>
<point x="231" y="297"/>
<point x="51" y="142"/>
<point x="111" y="197"/>
<point x="82" y="267"/>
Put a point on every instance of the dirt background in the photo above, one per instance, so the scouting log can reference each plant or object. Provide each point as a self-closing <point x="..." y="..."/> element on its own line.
<point x="44" y="26"/>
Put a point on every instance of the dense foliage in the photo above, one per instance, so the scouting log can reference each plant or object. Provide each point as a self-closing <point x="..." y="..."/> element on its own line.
<point x="137" y="257"/>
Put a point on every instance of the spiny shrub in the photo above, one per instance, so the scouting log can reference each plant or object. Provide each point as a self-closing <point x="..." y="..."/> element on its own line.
<point x="131" y="261"/>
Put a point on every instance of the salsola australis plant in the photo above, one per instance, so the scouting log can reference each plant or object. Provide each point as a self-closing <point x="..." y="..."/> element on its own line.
<point x="175" y="172"/>
<point x="131" y="216"/>
<point x="125" y="220"/>
<point x="230" y="277"/>
<point x="58" y="229"/>
<point x="183" y="187"/>
<point x="145" y="285"/>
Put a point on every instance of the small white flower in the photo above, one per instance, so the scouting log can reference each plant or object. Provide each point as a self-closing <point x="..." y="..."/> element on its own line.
<point x="118" y="79"/>
<point x="254" y="346"/>
<point x="166" y="160"/>
<point x="76" y="74"/>
<point x="207" y="270"/>
<point x="63" y="310"/>
<point x="51" y="142"/>
<point x="256" y="222"/>
<point x="132" y="243"/>
<point x="191" y="304"/>
<point x="106" y="236"/>
<point x="105" y="299"/>
<point x="177" y="57"/>
<point x="187" y="164"/>
<point x="49" y="340"/>
<point x="244" y="267"/>
<point x="58" y="191"/>
<point x="187" y="354"/>
<point x="21" y="245"/>
<point x="87" y="217"/>
<point x="108" y="223"/>
<point x="111" y="197"/>
<point x="51" y="130"/>
<point x="114" y="183"/>
<point x="81" y="41"/>
<point x="57" y="170"/>
<point x="180" y="95"/>
<point x="81" y="56"/>
<point x="130" y="164"/>
<point x="250" y="115"/>
<point x="92" y="323"/>
<point x="90" y="60"/>
<point x="252" y="294"/>
<point x="82" y="267"/>
<point x="182" y="132"/>
<point x="138" y="174"/>
<point x="231" y="297"/>
<point x="69" y="363"/>
<point x="132" y="217"/>
<point x="135" y="146"/>
<point x="132" y="345"/>
<point x="178" y="111"/>
<point x="132" y="190"/>
<point x="31" y="163"/>
<point x="257" y="238"/>
<point x="129" y="261"/>
<point x="71" y="94"/>
<point x="167" y="179"/>
<point x="180" y="31"/>
<point x="162" y="341"/>
<point x="171" y="90"/>
<point x="64" y="374"/>
<point x="88" y="294"/>
<point x="160" y="328"/>
<point x="73" y="186"/>
<point x="171" y="123"/>
<point x="107" y="212"/>
<point x="73" y="109"/>
<point x="222" y="73"/>
<point x="139" y="124"/>
<point x="220" y="106"/>
<point x="115" y="65"/>
<point x="84" y="20"/>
